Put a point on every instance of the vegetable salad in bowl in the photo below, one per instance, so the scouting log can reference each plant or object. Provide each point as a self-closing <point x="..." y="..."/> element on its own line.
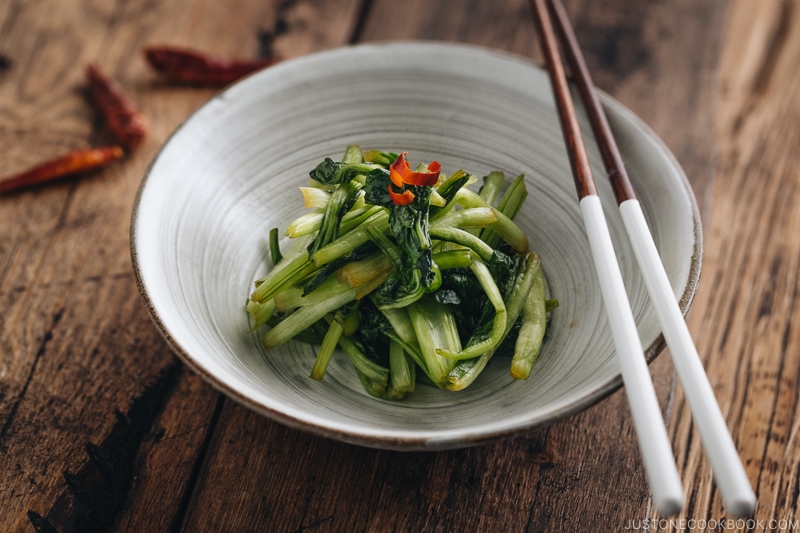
<point x="411" y="274"/>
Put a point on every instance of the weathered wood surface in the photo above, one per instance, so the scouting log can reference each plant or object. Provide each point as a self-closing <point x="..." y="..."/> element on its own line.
<point x="102" y="429"/>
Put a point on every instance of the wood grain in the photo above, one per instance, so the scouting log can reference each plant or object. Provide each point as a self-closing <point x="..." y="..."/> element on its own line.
<point x="749" y="299"/>
<point x="102" y="429"/>
<point x="68" y="363"/>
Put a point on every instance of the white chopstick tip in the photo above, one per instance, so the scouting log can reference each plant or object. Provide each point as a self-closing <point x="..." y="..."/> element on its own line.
<point x="728" y="471"/>
<point x="662" y="474"/>
<point x="670" y="505"/>
<point x="742" y="506"/>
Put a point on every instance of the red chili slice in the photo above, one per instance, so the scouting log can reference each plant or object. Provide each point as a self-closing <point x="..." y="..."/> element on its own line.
<point x="404" y="198"/>
<point x="402" y="171"/>
<point x="395" y="176"/>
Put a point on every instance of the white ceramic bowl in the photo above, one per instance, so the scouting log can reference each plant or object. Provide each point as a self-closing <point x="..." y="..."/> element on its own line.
<point x="231" y="172"/>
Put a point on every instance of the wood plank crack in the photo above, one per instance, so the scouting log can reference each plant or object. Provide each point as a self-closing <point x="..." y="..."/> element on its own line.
<point x="48" y="336"/>
<point x="266" y="38"/>
<point x="95" y="494"/>
<point x="183" y="508"/>
<point x="364" y="10"/>
<point x="314" y="524"/>
<point x="773" y="51"/>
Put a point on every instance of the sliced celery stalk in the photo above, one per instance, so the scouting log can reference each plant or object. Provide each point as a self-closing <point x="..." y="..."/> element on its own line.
<point x="504" y="227"/>
<point x="534" y="322"/>
<point x="305" y="317"/>
<point x="401" y="373"/>
<point x="436" y="329"/>
<point x="325" y="353"/>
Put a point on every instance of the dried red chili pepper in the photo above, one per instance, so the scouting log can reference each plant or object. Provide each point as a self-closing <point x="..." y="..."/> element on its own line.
<point x="122" y="115"/>
<point x="195" y="67"/>
<point x="77" y="162"/>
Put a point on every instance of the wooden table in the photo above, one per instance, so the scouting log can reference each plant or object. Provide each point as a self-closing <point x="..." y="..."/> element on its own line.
<point x="102" y="428"/>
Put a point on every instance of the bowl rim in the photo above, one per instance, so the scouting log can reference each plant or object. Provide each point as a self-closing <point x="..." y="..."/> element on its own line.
<point x="465" y="437"/>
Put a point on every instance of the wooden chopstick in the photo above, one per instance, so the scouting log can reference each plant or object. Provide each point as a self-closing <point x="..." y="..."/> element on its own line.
<point x="720" y="449"/>
<point x="665" y="484"/>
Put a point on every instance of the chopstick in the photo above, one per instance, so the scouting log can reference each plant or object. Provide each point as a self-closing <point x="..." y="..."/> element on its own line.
<point x="665" y="484"/>
<point x="720" y="449"/>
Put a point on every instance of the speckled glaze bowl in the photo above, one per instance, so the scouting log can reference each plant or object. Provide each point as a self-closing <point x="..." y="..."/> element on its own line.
<point x="231" y="172"/>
